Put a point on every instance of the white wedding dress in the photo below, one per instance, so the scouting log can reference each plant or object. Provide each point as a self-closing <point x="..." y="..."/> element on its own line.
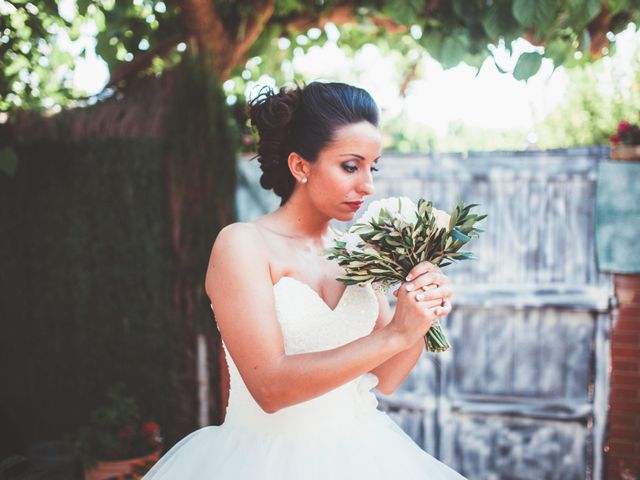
<point x="338" y="435"/>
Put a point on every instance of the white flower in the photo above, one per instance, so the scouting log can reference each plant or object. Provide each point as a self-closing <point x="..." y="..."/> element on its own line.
<point x="353" y="242"/>
<point x="442" y="218"/>
<point x="398" y="207"/>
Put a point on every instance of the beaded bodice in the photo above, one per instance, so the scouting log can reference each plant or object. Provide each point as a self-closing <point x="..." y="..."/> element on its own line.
<point x="308" y="325"/>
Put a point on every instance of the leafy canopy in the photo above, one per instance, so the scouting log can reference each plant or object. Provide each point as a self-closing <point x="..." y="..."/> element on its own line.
<point x="139" y="35"/>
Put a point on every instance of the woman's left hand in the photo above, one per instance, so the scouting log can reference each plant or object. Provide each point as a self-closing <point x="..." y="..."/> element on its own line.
<point x="435" y="285"/>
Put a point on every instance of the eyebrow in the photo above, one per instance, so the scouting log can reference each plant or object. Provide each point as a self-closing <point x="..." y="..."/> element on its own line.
<point x="359" y="157"/>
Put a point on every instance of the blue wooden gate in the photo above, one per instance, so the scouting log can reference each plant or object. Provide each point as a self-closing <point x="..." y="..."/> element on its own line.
<point x="522" y="394"/>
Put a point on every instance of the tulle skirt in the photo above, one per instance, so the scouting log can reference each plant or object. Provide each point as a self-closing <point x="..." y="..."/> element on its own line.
<point x="374" y="447"/>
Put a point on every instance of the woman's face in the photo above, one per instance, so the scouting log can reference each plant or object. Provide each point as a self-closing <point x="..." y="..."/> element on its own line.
<point x="342" y="176"/>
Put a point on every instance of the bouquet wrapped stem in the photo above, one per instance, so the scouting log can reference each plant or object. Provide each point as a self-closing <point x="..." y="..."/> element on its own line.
<point x="394" y="235"/>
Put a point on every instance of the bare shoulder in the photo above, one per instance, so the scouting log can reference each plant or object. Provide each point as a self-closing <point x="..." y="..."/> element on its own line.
<point x="237" y="251"/>
<point x="240" y="238"/>
<point x="236" y="233"/>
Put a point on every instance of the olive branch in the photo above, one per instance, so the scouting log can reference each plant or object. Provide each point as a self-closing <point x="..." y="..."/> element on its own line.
<point x="389" y="247"/>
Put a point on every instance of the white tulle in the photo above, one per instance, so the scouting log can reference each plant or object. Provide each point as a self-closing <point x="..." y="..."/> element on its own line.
<point x="338" y="435"/>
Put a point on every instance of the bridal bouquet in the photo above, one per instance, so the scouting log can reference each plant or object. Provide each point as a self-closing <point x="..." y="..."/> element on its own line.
<point x="394" y="235"/>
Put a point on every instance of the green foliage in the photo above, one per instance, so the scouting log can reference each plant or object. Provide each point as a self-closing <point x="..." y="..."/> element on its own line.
<point x="536" y="14"/>
<point x="116" y="430"/>
<point x="83" y="244"/>
<point x="527" y="66"/>
<point x="37" y="72"/>
<point x="403" y="136"/>
<point x="598" y="98"/>
<point x="31" y="71"/>
<point x="93" y="267"/>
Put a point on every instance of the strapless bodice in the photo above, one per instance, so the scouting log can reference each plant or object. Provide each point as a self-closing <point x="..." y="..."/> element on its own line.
<point x="309" y="325"/>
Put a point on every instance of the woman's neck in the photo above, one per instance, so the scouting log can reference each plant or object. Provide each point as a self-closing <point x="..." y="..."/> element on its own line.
<point x="298" y="218"/>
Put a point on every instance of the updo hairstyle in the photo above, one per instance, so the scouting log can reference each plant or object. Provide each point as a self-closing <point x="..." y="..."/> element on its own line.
<point x="302" y="120"/>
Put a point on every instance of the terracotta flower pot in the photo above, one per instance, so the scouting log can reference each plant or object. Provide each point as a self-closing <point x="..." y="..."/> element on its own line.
<point x="625" y="152"/>
<point x="104" y="469"/>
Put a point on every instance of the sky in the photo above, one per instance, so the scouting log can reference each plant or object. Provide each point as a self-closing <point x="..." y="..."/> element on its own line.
<point x="439" y="97"/>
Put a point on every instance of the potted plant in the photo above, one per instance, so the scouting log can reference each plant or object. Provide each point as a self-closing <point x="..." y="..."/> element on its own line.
<point x="116" y="442"/>
<point x="625" y="143"/>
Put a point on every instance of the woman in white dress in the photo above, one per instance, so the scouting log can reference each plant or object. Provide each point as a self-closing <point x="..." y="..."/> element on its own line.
<point x="303" y="351"/>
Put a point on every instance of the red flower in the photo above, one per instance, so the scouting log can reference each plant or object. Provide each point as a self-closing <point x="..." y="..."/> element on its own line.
<point x="624" y="126"/>
<point x="614" y="139"/>
<point x="150" y="428"/>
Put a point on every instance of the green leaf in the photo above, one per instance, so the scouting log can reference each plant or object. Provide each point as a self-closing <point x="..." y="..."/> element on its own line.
<point x="499" y="22"/>
<point x="83" y="5"/>
<point x="535" y="13"/>
<point x="527" y="65"/>
<point x="581" y="12"/>
<point x="461" y="237"/>
<point x="453" y="50"/>
<point x="433" y="41"/>
<point x="393" y="243"/>
<point x="616" y="5"/>
<point x="558" y="51"/>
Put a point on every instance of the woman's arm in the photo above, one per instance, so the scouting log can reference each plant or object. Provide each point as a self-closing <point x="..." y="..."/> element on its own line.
<point x="394" y="371"/>
<point x="239" y="285"/>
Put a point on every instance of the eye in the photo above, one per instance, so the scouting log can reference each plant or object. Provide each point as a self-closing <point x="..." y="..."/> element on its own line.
<point x="353" y="168"/>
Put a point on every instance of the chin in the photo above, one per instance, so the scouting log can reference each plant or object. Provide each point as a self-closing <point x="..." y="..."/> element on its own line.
<point x="345" y="216"/>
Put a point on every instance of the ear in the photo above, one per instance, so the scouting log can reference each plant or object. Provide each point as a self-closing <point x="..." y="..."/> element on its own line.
<point x="298" y="166"/>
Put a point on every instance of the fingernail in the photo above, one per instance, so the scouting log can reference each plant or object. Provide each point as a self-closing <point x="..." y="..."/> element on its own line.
<point x="409" y="277"/>
<point x="409" y="287"/>
<point x="419" y="296"/>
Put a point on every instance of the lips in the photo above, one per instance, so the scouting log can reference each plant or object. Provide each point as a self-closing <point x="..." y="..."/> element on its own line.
<point x="354" y="205"/>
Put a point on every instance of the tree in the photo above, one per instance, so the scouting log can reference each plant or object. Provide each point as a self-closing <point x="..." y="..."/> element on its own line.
<point x="601" y="95"/>
<point x="142" y="35"/>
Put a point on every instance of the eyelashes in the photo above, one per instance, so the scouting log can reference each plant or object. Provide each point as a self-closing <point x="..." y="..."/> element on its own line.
<point x="352" y="169"/>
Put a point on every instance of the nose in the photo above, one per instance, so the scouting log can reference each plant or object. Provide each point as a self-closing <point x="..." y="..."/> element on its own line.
<point x="366" y="185"/>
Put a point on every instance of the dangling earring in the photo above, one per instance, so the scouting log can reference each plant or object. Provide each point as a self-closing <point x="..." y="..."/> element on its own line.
<point x="304" y="179"/>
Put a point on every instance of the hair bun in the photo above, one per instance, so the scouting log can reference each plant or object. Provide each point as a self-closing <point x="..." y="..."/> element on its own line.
<point x="272" y="114"/>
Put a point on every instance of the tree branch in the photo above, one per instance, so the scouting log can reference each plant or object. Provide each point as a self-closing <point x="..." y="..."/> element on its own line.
<point x="143" y="60"/>
<point x="251" y="33"/>
<point x="203" y="22"/>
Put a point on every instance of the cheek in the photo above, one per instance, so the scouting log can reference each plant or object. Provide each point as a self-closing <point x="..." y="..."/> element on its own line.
<point x="333" y="180"/>
<point x="342" y="182"/>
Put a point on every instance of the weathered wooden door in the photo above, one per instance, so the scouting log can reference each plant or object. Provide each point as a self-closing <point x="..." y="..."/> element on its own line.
<point x="522" y="393"/>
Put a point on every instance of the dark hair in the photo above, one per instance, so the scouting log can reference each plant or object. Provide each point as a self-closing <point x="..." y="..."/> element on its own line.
<point x="302" y="120"/>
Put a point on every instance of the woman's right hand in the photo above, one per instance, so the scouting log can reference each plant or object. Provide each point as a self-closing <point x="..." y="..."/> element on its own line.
<point x="413" y="316"/>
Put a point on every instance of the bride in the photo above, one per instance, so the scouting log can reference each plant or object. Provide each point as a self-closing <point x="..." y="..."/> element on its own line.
<point x="303" y="351"/>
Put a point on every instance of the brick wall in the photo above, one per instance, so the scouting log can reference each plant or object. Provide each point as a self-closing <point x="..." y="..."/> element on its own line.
<point x="623" y="440"/>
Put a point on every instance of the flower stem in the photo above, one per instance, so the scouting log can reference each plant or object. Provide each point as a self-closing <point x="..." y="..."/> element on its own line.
<point x="435" y="340"/>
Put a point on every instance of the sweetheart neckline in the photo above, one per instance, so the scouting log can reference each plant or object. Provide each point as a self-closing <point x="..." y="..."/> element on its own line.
<point x="309" y="287"/>
<point x="332" y="310"/>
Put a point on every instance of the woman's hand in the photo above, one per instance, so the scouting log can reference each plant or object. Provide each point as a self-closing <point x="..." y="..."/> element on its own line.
<point x="421" y="301"/>
<point x="435" y="285"/>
